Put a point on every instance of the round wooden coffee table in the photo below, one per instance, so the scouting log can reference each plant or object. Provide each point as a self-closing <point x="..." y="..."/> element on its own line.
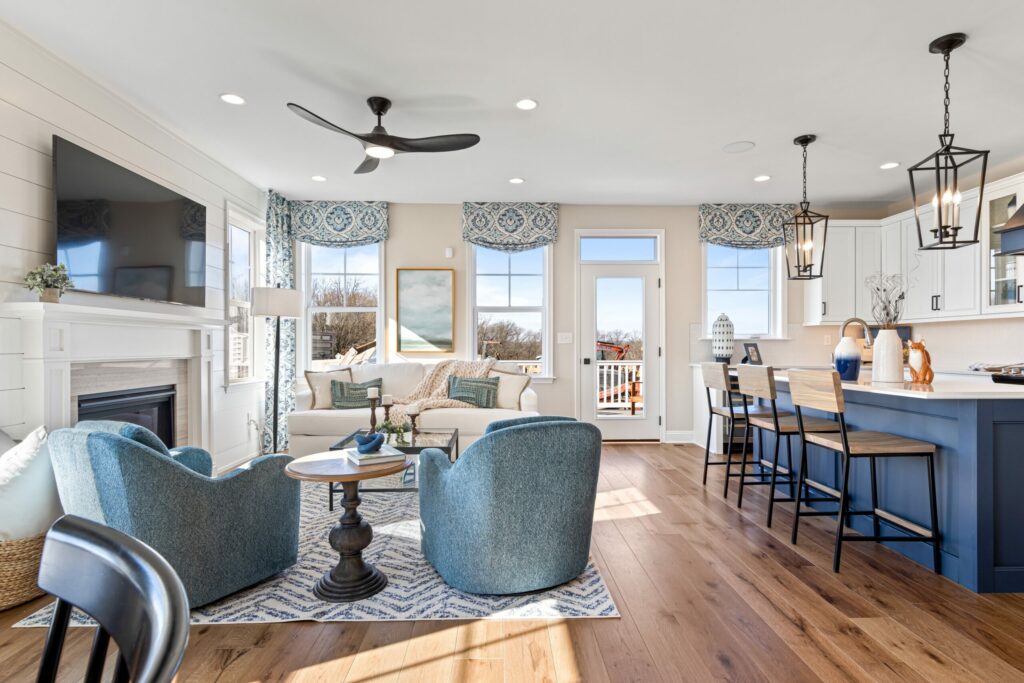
<point x="352" y="579"/>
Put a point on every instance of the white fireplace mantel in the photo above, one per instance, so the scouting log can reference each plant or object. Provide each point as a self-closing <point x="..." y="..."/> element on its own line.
<point x="39" y="342"/>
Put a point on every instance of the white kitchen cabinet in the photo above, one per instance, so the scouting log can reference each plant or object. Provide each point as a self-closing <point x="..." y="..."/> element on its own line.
<point x="961" y="295"/>
<point x="869" y="262"/>
<point x="892" y="247"/>
<point x="941" y="283"/>
<point x="832" y="298"/>
<point x="923" y="271"/>
<point x="1002" y="282"/>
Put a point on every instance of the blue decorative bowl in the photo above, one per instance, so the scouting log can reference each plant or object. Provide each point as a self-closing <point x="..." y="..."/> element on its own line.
<point x="369" y="443"/>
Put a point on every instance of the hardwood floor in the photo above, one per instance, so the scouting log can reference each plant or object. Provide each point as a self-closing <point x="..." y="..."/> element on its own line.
<point x="706" y="592"/>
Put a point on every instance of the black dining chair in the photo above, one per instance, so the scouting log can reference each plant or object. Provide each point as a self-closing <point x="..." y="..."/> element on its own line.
<point x="127" y="588"/>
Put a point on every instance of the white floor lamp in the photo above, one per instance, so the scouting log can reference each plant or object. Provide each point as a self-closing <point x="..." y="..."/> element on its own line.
<point x="277" y="303"/>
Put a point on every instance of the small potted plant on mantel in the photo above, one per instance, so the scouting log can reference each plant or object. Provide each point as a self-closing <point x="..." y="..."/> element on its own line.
<point x="887" y="298"/>
<point x="49" y="282"/>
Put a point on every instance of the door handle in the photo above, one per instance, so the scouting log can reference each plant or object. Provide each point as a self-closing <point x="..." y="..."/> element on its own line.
<point x="824" y="307"/>
<point x="1020" y="299"/>
<point x="586" y="361"/>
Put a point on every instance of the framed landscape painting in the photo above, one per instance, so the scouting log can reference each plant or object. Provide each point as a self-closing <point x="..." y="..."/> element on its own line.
<point x="426" y="310"/>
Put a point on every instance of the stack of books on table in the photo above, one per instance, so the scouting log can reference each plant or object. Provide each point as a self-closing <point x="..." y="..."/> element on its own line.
<point x="385" y="455"/>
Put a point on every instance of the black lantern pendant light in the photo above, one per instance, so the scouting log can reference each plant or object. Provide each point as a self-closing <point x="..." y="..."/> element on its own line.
<point x="804" y="233"/>
<point x="944" y="168"/>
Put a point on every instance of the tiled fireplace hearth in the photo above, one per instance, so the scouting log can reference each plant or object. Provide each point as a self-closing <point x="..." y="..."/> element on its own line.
<point x="51" y="355"/>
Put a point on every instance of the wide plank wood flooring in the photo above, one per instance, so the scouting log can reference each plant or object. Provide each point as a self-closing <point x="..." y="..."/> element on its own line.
<point x="705" y="590"/>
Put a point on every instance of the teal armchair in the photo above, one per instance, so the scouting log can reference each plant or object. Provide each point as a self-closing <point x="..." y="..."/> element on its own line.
<point x="221" y="534"/>
<point x="514" y="513"/>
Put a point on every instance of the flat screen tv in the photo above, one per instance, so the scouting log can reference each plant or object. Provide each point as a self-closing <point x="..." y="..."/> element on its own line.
<point x="121" y="234"/>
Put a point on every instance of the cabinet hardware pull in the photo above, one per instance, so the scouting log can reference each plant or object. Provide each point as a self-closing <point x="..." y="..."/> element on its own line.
<point x="1020" y="299"/>
<point x="824" y="307"/>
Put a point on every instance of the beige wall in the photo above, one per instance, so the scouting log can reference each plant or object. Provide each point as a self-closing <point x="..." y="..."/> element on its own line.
<point x="421" y="232"/>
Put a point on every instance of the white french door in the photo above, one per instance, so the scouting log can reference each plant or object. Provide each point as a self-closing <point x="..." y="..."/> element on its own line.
<point x="620" y="354"/>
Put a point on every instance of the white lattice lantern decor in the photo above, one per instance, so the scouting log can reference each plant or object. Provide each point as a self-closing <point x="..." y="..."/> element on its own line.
<point x="723" y="337"/>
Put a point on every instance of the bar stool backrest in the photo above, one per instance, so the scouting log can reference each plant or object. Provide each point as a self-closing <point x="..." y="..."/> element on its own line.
<point x="715" y="376"/>
<point x="816" y="389"/>
<point x="757" y="381"/>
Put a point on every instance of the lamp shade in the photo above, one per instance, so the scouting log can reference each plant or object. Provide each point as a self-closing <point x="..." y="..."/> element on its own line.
<point x="276" y="301"/>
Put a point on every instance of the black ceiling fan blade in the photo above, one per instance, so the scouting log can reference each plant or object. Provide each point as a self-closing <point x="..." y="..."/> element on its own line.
<point x="436" y="143"/>
<point x="369" y="164"/>
<point x="313" y="118"/>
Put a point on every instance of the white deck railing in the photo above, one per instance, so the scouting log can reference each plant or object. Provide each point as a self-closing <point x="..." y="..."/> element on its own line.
<point x="615" y="383"/>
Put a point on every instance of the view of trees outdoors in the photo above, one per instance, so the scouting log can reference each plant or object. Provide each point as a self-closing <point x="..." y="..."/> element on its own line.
<point x="501" y="336"/>
<point x="633" y="338"/>
<point x="335" y="333"/>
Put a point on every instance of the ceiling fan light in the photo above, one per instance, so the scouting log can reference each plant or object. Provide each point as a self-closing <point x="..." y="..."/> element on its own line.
<point x="378" y="152"/>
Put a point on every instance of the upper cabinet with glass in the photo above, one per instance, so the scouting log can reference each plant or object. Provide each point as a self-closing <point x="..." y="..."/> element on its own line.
<point x="1003" y="284"/>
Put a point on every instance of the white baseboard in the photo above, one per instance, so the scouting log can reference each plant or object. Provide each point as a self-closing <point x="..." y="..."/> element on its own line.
<point x="679" y="437"/>
<point x="224" y="469"/>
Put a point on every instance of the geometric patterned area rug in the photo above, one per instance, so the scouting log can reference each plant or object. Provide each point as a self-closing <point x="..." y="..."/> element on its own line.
<point x="414" y="590"/>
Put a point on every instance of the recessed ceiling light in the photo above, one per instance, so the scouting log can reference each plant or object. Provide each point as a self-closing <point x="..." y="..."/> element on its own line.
<point x="232" y="98"/>
<point x="526" y="104"/>
<point x="319" y="179"/>
<point x="762" y="178"/>
<point x="378" y="152"/>
<point x="738" y="147"/>
<point x="516" y="181"/>
<point x="889" y="164"/>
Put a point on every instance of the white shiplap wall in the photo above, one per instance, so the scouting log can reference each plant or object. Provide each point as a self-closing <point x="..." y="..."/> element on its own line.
<point x="41" y="96"/>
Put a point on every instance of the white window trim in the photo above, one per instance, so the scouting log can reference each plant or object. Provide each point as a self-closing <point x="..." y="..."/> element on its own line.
<point x="547" y="374"/>
<point x="778" y="298"/>
<point x="235" y="215"/>
<point x="304" y="332"/>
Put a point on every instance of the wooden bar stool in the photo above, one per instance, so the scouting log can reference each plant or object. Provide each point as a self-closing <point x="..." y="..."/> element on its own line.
<point x="716" y="376"/>
<point x="758" y="382"/>
<point x="823" y="391"/>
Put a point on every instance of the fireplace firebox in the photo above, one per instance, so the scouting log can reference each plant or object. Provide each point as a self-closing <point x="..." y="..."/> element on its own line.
<point x="149" y="407"/>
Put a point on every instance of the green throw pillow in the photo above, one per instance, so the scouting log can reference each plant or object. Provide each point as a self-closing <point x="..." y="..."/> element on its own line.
<point x="346" y="395"/>
<point x="480" y="391"/>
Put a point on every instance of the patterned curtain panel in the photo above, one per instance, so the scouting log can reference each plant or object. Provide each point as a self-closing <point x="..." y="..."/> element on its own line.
<point x="83" y="220"/>
<point x="510" y="226"/>
<point x="745" y="226"/>
<point x="339" y="224"/>
<point x="193" y="221"/>
<point x="280" y="267"/>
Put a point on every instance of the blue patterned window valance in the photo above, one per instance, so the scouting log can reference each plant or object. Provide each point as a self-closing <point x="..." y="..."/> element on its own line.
<point x="744" y="226"/>
<point x="339" y="224"/>
<point x="510" y="226"/>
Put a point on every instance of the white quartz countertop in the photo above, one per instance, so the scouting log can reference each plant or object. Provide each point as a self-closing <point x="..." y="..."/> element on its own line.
<point x="946" y="386"/>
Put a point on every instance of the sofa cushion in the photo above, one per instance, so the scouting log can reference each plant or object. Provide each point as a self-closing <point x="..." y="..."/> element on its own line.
<point x="466" y="420"/>
<point x="28" y="492"/>
<point x="320" y="385"/>
<point x="345" y="395"/>
<point x="330" y="422"/>
<point x="481" y="392"/>
<point x="510" y="388"/>
<point x="400" y="379"/>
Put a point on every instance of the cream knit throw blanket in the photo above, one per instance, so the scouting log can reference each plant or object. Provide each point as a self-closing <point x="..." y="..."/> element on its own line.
<point x="432" y="391"/>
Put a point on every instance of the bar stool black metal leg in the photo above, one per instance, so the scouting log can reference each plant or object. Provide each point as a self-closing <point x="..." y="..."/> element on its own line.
<point x="743" y="465"/>
<point x="789" y="461"/>
<point x="800" y="485"/>
<point x="936" y="549"/>
<point x="844" y="502"/>
<point x="760" y="454"/>
<point x="707" y="450"/>
<point x="728" y="457"/>
<point x="876" y="528"/>
<point x="775" y="474"/>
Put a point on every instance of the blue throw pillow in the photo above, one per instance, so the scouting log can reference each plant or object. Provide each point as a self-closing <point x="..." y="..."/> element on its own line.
<point x="345" y="395"/>
<point x="479" y="391"/>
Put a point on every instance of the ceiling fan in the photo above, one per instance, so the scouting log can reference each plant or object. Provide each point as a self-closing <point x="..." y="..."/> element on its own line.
<point x="379" y="144"/>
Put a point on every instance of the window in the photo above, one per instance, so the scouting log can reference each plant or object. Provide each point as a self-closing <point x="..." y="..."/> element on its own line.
<point x="510" y="307"/>
<point x="345" y="317"/>
<point x="745" y="284"/>
<point x="619" y="249"/>
<point x="240" y="323"/>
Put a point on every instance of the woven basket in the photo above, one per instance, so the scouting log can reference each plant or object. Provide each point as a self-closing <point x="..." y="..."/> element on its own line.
<point x="19" y="567"/>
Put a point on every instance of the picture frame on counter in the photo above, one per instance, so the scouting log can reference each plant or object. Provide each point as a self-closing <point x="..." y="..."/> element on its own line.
<point x="753" y="353"/>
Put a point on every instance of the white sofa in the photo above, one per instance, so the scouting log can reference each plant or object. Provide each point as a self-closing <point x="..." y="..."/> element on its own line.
<point x="313" y="431"/>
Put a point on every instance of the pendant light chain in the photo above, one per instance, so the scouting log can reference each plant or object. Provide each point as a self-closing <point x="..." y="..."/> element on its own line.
<point x="805" y="173"/>
<point x="945" y="101"/>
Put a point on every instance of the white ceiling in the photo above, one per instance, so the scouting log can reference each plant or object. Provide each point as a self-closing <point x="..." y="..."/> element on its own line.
<point x="636" y="98"/>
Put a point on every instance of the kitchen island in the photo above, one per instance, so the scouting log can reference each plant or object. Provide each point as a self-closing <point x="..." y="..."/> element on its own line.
<point x="978" y="426"/>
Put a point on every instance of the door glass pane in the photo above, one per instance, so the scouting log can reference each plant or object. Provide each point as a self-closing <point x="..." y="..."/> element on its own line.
<point x="1003" y="275"/>
<point x="619" y="352"/>
<point x="618" y="249"/>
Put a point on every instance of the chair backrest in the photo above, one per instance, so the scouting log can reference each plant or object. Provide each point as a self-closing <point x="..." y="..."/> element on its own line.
<point x="817" y="389"/>
<point x="127" y="588"/>
<point x="516" y="421"/>
<point x="757" y="381"/>
<point x="716" y="376"/>
<point x="128" y="430"/>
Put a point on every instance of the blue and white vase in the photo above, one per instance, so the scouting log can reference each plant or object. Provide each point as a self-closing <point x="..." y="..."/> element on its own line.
<point x="847" y="359"/>
<point x="723" y="339"/>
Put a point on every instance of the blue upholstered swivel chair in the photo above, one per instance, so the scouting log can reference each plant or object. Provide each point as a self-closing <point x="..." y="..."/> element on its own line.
<point x="514" y="512"/>
<point x="221" y="534"/>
